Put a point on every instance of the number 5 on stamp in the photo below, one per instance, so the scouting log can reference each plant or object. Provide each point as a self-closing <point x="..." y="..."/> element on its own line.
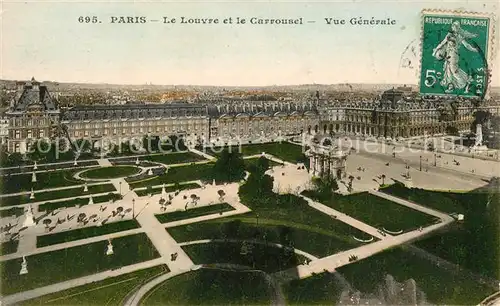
<point x="456" y="50"/>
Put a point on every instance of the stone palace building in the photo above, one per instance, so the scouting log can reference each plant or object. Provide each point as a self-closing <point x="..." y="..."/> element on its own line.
<point x="35" y="114"/>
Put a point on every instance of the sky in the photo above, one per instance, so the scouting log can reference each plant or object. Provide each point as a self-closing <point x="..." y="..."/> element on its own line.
<point x="45" y="39"/>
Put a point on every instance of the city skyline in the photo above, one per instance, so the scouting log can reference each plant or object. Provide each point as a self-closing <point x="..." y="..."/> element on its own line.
<point x="55" y="46"/>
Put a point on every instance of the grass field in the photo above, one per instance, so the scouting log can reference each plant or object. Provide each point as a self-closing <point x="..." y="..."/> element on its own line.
<point x="157" y="190"/>
<point x="211" y="287"/>
<point x="54" y="195"/>
<point x="375" y="211"/>
<point x="14" y="211"/>
<point x="316" y="233"/>
<point x="178" y="175"/>
<point x="193" y="212"/>
<point x="86" y="232"/>
<point x="22" y="182"/>
<point x="319" y="289"/>
<point x="110" y="172"/>
<point x="286" y="151"/>
<point x="443" y="201"/>
<point x="65" y="264"/>
<point x="51" y="206"/>
<point x="267" y="258"/>
<point x="440" y="286"/>
<point x="8" y="247"/>
<point x="174" y="158"/>
<point x="468" y="243"/>
<point x="111" y="291"/>
<point x="68" y="165"/>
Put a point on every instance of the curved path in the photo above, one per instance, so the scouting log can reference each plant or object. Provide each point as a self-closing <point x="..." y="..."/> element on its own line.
<point x="271" y="244"/>
<point x="277" y="297"/>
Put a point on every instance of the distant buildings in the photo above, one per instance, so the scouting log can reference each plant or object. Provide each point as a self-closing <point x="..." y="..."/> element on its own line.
<point x="34" y="113"/>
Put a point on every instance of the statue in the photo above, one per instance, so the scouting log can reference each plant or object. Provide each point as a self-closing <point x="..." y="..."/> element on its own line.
<point x="150" y="172"/>
<point x="24" y="267"/>
<point x="478" y="145"/>
<point x="32" y="195"/>
<point x="109" y="251"/>
<point x="35" y="166"/>
<point x="137" y="161"/>
<point x="29" y="221"/>
<point x="163" y="192"/>
<point x="91" y="201"/>
<point x="33" y="177"/>
<point x="85" y="187"/>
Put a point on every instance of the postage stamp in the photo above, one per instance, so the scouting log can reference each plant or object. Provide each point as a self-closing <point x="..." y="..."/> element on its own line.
<point x="455" y="52"/>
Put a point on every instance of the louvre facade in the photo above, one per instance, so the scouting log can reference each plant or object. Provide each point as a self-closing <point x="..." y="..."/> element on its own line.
<point x="35" y="114"/>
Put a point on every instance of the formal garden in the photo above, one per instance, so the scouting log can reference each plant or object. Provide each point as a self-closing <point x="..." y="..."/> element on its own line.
<point x="73" y="262"/>
<point x="374" y="210"/>
<point x="55" y="195"/>
<point x="211" y="287"/>
<point x="111" y="291"/>
<point x="110" y="172"/>
<point x="470" y="243"/>
<point x="44" y="180"/>
<point x="285" y="219"/>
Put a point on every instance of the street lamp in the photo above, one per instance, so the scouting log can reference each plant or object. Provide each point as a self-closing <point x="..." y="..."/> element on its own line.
<point x="120" y="183"/>
<point x="435" y="162"/>
<point x="420" y="162"/>
<point x="133" y="208"/>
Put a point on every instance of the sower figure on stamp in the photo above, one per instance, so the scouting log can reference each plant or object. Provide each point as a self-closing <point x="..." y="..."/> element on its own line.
<point x="448" y="50"/>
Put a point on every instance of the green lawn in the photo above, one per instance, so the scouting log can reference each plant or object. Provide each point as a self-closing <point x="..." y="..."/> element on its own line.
<point x="54" y="195"/>
<point x="110" y="172"/>
<point x="157" y="190"/>
<point x="267" y="258"/>
<point x="470" y="243"/>
<point x="61" y="265"/>
<point x="211" y="287"/>
<point x="194" y="212"/>
<point x="443" y="201"/>
<point x="286" y="151"/>
<point x="375" y="211"/>
<point x="174" y="158"/>
<point x="178" y="175"/>
<point x="86" y="232"/>
<point x="320" y="239"/>
<point x="111" y="291"/>
<point x="51" y="206"/>
<point x="319" y="289"/>
<point x="14" y="211"/>
<point x="8" y="247"/>
<point x="440" y="286"/>
<point x="22" y="182"/>
<point x="252" y="162"/>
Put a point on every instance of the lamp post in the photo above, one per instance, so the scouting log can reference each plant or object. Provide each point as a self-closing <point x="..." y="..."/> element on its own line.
<point x="435" y="162"/>
<point x="420" y="162"/>
<point x="133" y="208"/>
<point x="120" y="183"/>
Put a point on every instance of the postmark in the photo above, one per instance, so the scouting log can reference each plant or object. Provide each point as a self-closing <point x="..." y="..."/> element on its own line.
<point x="456" y="53"/>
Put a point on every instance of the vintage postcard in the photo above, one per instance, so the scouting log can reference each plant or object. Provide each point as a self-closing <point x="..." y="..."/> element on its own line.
<point x="249" y="152"/>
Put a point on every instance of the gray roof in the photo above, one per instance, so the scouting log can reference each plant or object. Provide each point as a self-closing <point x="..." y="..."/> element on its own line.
<point x="34" y="95"/>
<point x="133" y="111"/>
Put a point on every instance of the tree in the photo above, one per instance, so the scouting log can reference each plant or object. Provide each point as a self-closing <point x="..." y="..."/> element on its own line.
<point x="383" y="179"/>
<point x="229" y="167"/>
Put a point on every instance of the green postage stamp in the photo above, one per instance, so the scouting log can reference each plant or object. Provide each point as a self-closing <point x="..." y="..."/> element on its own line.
<point x="456" y="53"/>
